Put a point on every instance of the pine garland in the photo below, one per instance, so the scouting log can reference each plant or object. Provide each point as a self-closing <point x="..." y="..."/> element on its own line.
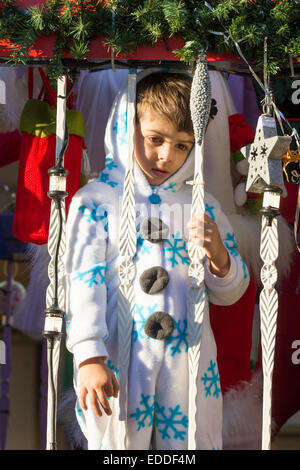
<point x="126" y="25"/>
<point x="74" y="22"/>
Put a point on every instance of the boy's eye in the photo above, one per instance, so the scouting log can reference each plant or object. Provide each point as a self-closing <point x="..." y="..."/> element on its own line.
<point x="182" y="147"/>
<point x="155" y="139"/>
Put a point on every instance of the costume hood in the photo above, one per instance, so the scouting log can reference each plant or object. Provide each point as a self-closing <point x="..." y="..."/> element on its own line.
<point x="116" y="143"/>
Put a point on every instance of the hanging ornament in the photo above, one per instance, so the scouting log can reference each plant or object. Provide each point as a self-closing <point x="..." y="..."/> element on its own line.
<point x="292" y="172"/>
<point x="265" y="176"/>
<point x="264" y="156"/>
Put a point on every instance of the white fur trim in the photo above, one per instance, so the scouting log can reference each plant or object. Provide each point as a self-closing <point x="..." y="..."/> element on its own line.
<point x="242" y="167"/>
<point x="240" y="195"/>
<point x="242" y="415"/>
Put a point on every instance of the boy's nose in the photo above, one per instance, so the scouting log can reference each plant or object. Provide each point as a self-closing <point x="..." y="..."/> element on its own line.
<point x="165" y="152"/>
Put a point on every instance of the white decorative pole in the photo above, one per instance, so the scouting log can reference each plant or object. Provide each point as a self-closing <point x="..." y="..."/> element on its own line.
<point x="265" y="176"/>
<point x="55" y="296"/>
<point x="200" y="107"/>
<point x="127" y="249"/>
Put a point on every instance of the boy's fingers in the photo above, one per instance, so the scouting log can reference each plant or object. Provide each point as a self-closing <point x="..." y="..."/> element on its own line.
<point x="82" y="398"/>
<point x="116" y="387"/>
<point x="93" y="399"/>
<point x="109" y="390"/>
<point x="104" y="402"/>
<point x="199" y="218"/>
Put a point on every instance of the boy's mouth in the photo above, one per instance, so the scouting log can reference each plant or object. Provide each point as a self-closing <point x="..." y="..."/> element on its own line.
<point x="158" y="172"/>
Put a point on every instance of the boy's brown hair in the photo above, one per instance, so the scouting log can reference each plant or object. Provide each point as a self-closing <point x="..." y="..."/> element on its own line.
<point x="168" y="95"/>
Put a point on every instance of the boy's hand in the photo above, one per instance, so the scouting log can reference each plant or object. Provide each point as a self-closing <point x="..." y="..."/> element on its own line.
<point x="203" y="231"/>
<point x="97" y="380"/>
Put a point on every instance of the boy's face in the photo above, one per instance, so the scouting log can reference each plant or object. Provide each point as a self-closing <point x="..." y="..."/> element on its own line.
<point x="160" y="149"/>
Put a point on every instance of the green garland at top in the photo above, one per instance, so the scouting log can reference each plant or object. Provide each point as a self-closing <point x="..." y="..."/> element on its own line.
<point x="128" y="24"/>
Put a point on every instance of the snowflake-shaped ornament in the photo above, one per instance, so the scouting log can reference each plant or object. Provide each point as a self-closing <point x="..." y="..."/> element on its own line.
<point x="264" y="156"/>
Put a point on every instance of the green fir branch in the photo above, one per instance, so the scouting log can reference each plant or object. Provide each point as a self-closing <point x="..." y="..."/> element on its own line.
<point x="126" y="25"/>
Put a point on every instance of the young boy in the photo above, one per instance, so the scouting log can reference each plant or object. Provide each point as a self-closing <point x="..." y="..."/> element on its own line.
<point x="158" y="377"/>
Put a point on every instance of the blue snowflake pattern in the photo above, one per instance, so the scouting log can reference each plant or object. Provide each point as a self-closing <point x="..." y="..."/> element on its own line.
<point x="178" y="339"/>
<point x="78" y="411"/>
<point x="231" y="244"/>
<point x="178" y="249"/>
<point x="112" y="367"/>
<point x="245" y="269"/>
<point x="235" y="254"/>
<point x="104" y="178"/>
<point x="95" y="214"/>
<point x="140" y="319"/>
<point x="170" y="186"/>
<point x="88" y="213"/>
<point x="212" y="380"/>
<point x="172" y="423"/>
<point x="91" y="274"/>
<point x="210" y="211"/>
<point x="144" y="245"/>
<point x="230" y="241"/>
<point x="109" y="162"/>
<point x="144" y="413"/>
<point x="120" y="128"/>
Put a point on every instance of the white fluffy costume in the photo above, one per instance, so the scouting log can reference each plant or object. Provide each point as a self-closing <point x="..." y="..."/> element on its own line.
<point x="158" y="408"/>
